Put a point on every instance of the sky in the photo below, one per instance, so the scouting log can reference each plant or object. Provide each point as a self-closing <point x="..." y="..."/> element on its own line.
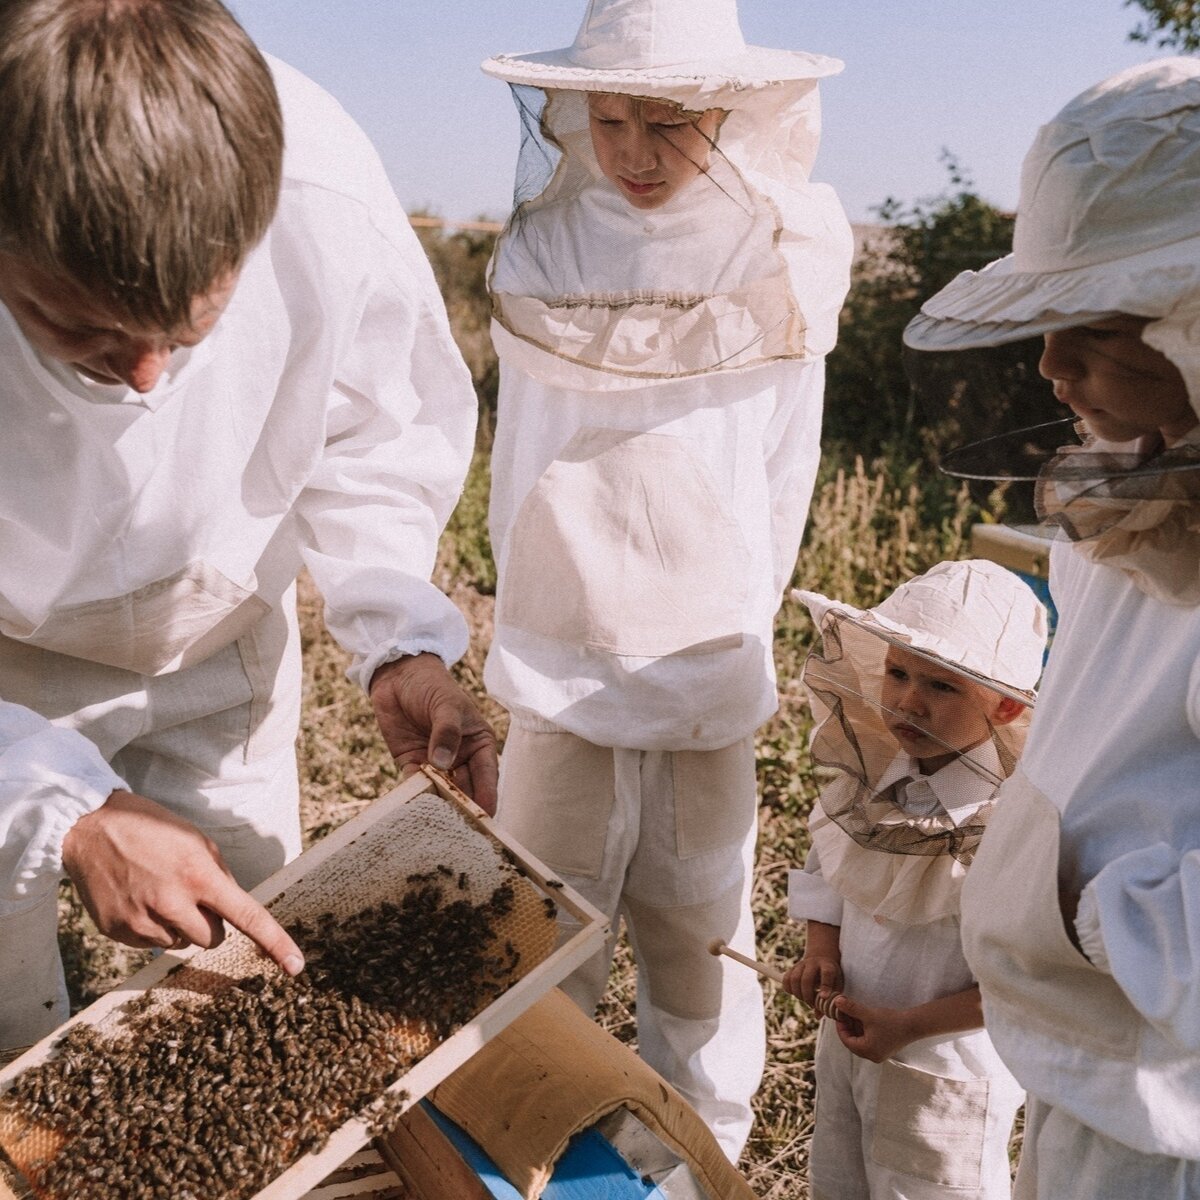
<point x="974" y="77"/>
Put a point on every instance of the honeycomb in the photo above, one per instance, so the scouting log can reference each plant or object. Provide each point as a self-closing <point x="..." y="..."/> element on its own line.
<point x="255" y="1085"/>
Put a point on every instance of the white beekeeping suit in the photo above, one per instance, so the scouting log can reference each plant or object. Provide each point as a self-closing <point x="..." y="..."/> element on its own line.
<point x="921" y="706"/>
<point x="149" y="543"/>
<point x="662" y="371"/>
<point x="1087" y="957"/>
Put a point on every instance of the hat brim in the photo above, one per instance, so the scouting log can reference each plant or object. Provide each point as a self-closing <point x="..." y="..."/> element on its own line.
<point x="1001" y="304"/>
<point x="756" y="67"/>
<point x="903" y="637"/>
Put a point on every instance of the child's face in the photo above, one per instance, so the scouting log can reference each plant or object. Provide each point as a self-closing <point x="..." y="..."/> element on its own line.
<point x="649" y="150"/>
<point x="1120" y="387"/>
<point x="934" y="713"/>
<point x="63" y="322"/>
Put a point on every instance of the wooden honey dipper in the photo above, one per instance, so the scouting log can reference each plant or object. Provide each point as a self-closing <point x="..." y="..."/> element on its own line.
<point x="767" y="971"/>
<point x="826" y="1003"/>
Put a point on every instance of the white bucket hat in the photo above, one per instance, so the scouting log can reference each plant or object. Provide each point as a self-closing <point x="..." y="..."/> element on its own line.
<point x="974" y="616"/>
<point x="1108" y="222"/>
<point x="655" y="48"/>
<point x="748" y="266"/>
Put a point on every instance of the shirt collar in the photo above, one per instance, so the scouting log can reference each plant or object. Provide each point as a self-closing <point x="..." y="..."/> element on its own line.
<point x="958" y="788"/>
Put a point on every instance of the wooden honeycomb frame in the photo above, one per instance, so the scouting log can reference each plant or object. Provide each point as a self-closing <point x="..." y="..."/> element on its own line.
<point x="352" y="852"/>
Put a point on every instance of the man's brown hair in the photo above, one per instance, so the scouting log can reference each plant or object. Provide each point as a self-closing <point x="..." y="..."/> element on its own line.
<point x="142" y="147"/>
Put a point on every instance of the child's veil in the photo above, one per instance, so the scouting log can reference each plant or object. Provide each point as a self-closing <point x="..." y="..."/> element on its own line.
<point x="746" y="264"/>
<point x="968" y="631"/>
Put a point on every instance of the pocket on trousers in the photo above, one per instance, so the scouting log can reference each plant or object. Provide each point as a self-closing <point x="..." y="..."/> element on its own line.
<point x="929" y="1126"/>
<point x="556" y="798"/>
<point x="716" y="796"/>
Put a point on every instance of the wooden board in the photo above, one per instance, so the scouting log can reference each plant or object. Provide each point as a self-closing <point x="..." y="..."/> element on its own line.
<point x="1012" y="549"/>
<point x="428" y="1163"/>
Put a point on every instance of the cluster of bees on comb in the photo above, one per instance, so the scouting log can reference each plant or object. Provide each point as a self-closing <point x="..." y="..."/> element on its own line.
<point x="211" y="1100"/>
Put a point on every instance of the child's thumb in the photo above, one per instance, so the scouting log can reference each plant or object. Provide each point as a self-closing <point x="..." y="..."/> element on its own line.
<point x="844" y="1007"/>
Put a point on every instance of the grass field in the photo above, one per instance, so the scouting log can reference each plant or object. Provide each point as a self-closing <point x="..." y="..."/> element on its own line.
<point x="868" y="528"/>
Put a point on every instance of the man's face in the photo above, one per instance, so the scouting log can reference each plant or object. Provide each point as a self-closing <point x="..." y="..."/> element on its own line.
<point x="63" y="322"/>
<point x="1117" y="385"/>
<point x="933" y="712"/>
<point x="648" y="150"/>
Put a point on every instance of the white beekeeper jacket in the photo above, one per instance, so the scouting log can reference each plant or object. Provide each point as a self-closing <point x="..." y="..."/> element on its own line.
<point x="662" y="374"/>
<point x="1105" y="799"/>
<point x="644" y="539"/>
<point x="326" y="422"/>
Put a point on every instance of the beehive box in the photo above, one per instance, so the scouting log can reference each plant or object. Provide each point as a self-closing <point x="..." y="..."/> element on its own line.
<point x="210" y="1075"/>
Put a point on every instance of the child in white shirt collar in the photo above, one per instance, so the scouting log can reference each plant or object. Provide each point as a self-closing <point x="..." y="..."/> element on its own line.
<point x="921" y="706"/>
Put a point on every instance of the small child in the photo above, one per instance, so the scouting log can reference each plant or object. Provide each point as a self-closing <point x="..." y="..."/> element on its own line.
<point x="664" y="295"/>
<point x="921" y="706"/>
<point x="1088" y="955"/>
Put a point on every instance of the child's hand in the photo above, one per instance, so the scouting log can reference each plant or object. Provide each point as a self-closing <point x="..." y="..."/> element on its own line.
<point x="813" y="974"/>
<point x="821" y="967"/>
<point x="875" y="1034"/>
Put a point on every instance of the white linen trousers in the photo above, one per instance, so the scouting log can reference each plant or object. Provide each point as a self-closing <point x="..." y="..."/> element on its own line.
<point x="665" y="840"/>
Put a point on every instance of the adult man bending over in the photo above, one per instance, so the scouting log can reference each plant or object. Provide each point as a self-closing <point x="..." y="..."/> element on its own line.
<point x="218" y="364"/>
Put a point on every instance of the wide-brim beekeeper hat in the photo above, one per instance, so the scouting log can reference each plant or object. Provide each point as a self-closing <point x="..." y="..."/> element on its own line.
<point x="973" y="616"/>
<point x="661" y="48"/>
<point x="1108" y="223"/>
<point x="747" y="265"/>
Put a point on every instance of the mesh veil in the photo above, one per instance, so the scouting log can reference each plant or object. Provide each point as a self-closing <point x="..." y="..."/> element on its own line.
<point x="748" y="263"/>
<point x="1132" y="505"/>
<point x="851" y="684"/>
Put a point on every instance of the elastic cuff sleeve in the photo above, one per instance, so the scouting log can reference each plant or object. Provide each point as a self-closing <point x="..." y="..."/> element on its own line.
<point x="363" y="672"/>
<point x="49" y="780"/>
<point x="1087" y="929"/>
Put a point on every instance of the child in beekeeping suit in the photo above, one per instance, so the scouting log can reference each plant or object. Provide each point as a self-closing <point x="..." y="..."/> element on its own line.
<point x="1081" y="911"/>
<point x="664" y="295"/>
<point x="921" y="706"/>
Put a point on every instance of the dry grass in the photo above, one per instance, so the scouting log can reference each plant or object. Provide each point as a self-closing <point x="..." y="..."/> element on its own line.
<point x="867" y="531"/>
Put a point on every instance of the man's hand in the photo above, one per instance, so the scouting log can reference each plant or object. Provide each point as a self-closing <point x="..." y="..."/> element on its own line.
<point x="149" y="878"/>
<point x="425" y="716"/>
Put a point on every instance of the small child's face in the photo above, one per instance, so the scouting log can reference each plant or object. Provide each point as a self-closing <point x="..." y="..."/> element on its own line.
<point x="934" y="713"/>
<point x="1117" y="385"/>
<point x="649" y="150"/>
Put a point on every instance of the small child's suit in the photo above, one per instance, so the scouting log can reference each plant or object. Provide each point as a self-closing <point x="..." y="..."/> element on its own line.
<point x="935" y="1120"/>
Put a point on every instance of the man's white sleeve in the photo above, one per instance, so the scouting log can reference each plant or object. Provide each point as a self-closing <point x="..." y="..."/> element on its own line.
<point x="399" y="438"/>
<point x="49" y="778"/>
